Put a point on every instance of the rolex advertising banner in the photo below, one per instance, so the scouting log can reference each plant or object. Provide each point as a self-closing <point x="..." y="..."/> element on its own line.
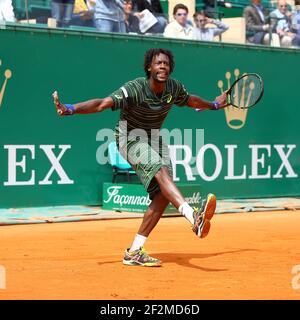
<point x="134" y="198"/>
<point x="50" y="160"/>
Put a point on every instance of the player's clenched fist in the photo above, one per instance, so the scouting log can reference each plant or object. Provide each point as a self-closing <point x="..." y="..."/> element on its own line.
<point x="62" y="110"/>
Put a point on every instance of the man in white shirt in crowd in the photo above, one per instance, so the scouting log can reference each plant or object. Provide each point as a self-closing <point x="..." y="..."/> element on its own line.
<point x="281" y="19"/>
<point x="180" y="28"/>
<point x="204" y="33"/>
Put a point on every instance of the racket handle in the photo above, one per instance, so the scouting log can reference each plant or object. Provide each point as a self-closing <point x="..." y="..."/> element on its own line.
<point x="215" y="106"/>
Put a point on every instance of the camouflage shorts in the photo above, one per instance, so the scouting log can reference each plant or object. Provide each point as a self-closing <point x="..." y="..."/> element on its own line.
<point x="147" y="158"/>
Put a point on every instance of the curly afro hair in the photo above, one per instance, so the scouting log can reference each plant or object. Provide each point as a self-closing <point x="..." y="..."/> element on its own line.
<point x="151" y="53"/>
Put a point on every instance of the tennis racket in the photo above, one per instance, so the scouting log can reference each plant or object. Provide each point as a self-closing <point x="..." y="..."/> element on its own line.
<point x="246" y="91"/>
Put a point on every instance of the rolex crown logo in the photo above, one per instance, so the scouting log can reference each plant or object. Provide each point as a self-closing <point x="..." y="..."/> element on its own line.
<point x="7" y="75"/>
<point x="235" y="117"/>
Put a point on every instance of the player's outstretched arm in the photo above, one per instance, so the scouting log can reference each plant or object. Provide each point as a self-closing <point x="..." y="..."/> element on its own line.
<point x="200" y="104"/>
<point x="90" y="106"/>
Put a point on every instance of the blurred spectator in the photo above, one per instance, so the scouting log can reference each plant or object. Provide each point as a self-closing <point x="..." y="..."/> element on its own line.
<point x="62" y="11"/>
<point x="209" y="8"/>
<point x="280" y="19"/>
<point x="83" y="13"/>
<point x="155" y="8"/>
<point x="109" y="16"/>
<point x="296" y="18"/>
<point x="6" y="11"/>
<point x="207" y="34"/>
<point x="180" y="28"/>
<point x="131" y="20"/>
<point x="257" y="29"/>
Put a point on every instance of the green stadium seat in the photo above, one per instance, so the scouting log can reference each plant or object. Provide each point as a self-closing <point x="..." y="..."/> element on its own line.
<point x="35" y="8"/>
<point x="120" y="166"/>
<point x="237" y="7"/>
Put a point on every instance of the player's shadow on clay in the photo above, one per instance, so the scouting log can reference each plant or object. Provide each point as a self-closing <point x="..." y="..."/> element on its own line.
<point x="184" y="259"/>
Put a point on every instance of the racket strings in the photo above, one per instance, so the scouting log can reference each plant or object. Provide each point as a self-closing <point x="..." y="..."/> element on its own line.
<point x="246" y="92"/>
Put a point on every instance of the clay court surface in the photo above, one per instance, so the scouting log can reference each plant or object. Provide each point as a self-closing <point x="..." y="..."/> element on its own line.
<point x="245" y="256"/>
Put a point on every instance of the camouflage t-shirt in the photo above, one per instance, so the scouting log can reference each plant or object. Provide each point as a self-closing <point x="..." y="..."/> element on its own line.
<point x="141" y="108"/>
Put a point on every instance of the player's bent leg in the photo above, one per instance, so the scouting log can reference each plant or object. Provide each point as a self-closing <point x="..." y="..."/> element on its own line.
<point x="203" y="216"/>
<point x="140" y="257"/>
<point x="153" y="214"/>
<point x="168" y="187"/>
<point x="200" y="219"/>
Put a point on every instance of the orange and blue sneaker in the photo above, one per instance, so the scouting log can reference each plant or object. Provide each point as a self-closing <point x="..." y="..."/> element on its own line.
<point x="203" y="216"/>
<point x="141" y="258"/>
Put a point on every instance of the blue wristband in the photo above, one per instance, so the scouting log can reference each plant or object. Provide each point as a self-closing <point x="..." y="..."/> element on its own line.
<point x="70" y="108"/>
<point x="216" y="105"/>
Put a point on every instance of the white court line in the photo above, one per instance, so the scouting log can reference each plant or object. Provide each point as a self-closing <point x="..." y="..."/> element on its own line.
<point x="2" y="278"/>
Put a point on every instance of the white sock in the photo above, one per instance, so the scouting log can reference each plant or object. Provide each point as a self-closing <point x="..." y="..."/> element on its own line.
<point x="138" y="242"/>
<point x="186" y="210"/>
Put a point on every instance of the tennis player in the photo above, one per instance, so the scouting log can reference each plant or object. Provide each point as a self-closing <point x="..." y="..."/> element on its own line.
<point x="144" y="104"/>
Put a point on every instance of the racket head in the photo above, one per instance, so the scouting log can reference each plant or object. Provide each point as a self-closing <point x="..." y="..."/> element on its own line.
<point x="246" y="91"/>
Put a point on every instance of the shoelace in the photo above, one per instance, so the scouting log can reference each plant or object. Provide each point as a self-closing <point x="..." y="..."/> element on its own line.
<point x="144" y="253"/>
